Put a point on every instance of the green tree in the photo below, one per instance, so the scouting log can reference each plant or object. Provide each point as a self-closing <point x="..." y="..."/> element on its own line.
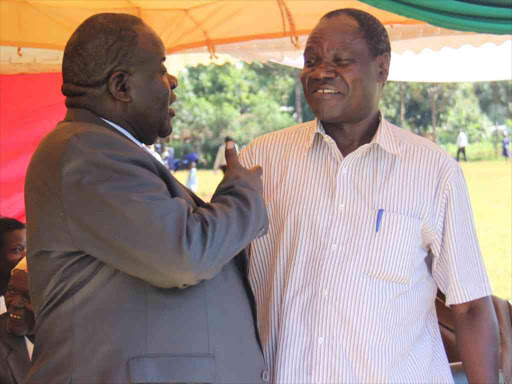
<point x="243" y="101"/>
<point x="466" y="115"/>
<point x="495" y="99"/>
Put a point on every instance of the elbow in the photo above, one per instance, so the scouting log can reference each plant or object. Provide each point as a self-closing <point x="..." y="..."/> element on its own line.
<point x="182" y="274"/>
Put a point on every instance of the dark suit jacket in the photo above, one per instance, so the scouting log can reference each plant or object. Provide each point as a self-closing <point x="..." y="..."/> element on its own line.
<point x="132" y="277"/>
<point x="14" y="360"/>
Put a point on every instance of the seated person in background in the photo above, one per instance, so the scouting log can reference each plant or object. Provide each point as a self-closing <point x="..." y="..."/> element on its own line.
<point x="12" y="250"/>
<point x="16" y="329"/>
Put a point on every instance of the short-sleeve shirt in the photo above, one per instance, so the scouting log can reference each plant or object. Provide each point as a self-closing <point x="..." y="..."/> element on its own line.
<point x="346" y="278"/>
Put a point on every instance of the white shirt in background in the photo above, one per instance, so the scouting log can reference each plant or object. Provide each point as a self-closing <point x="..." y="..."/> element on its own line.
<point x="30" y="347"/>
<point x="462" y="140"/>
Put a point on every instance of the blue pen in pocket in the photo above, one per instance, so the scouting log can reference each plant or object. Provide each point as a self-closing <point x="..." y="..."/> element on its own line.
<point x="379" y="219"/>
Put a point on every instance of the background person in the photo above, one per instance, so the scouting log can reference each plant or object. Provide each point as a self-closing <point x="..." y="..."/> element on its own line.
<point x="12" y="250"/>
<point x="192" y="177"/>
<point x="505" y="146"/>
<point x="367" y="221"/>
<point x="462" y="143"/>
<point x="134" y="278"/>
<point x="16" y="329"/>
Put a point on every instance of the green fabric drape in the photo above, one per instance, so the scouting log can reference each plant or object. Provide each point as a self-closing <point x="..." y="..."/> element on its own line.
<point x="483" y="16"/>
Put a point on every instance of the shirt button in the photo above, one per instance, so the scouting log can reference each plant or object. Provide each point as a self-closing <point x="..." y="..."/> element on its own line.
<point x="343" y="171"/>
<point x="265" y="376"/>
<point x="334" y="247"/>
<point x="324" y="292"/>
<point x="342" y="206"/>
<point x="320" y="340"/>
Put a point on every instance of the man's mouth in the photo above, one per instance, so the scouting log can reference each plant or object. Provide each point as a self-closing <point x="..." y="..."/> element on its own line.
<point x="15" y="317"/>
<point x="172" y="112"/>
<point x="326" y="91"/>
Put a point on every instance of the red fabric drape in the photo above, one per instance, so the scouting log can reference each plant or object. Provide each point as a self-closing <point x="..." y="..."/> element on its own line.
<point x="30" y="107"/>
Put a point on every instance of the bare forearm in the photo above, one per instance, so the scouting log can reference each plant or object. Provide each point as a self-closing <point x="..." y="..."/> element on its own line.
<point x="476" y="330"/>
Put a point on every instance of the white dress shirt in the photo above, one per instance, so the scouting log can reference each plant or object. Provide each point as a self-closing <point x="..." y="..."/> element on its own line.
<point x="124" y="132"/>
<point x="342" y="295"/>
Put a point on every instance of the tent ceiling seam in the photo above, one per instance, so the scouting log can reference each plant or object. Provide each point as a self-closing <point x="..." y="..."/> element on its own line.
<point x="283" y="8"/>
<point x="209" y="44"/>
<point x="136" y="7"/>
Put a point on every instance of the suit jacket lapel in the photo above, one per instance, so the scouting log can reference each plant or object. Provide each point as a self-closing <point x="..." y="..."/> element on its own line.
<point x="17" y="359"/>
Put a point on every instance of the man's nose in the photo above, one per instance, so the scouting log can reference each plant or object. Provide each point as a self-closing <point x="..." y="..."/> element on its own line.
<point x="324" y="70"/>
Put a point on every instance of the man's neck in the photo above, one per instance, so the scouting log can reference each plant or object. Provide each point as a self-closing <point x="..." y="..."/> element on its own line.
<point x="348" y="137"/>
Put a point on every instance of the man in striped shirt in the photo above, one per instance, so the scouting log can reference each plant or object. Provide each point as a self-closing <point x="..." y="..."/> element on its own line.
<point x="367" y="221"/>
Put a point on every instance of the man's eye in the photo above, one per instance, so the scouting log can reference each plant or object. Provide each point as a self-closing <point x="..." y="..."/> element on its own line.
<point x="309" y="62"/>
<point x="342" y="62"/>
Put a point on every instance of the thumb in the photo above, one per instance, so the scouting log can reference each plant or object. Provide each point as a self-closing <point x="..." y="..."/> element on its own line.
<point x="231" y="155"/>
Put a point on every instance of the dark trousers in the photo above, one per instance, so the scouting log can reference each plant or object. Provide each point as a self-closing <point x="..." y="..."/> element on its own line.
<point x="463" y="151"/>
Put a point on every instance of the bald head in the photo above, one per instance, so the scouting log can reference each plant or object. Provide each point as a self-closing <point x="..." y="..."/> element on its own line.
<point x="102" y="44"/>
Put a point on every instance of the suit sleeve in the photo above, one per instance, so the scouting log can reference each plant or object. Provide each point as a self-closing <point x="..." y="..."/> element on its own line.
<point x="120" y="211"/>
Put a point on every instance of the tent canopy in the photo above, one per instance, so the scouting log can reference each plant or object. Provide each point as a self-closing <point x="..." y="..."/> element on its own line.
<point x="486" y="16"/>
<point x="189" y="24"/>
<point x="181" y="24"/>
<point x="245" y="29"/>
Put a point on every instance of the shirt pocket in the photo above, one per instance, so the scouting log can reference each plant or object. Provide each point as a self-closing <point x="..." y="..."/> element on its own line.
<point x="393" y="247"/>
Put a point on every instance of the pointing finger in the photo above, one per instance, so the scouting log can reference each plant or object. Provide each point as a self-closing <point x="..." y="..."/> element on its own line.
<point x="231" y="155"/>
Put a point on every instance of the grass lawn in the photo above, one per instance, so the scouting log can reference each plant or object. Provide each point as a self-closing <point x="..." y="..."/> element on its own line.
<point x="490" y="189"/>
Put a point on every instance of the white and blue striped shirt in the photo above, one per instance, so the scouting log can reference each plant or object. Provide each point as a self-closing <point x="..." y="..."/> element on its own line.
<point x="340" y="298"/>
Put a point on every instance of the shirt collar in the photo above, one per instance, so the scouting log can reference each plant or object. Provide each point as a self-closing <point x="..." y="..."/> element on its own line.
<point x="123" y="131"/>
<point x="383" y="137"/>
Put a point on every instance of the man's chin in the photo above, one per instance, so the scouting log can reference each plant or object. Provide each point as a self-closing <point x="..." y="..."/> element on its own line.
<point x="14" y="330"/>
<point x="166" y="131"/>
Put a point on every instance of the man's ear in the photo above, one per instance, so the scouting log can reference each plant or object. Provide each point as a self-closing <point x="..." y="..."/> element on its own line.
<point x="383" y="62"/>
<point x="119" y="86"/>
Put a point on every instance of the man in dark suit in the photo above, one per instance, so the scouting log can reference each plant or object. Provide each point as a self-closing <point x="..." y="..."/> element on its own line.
<point x="12" y="250"/>
<point x="16" y="329"/>
<point x="133" y="278"/>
